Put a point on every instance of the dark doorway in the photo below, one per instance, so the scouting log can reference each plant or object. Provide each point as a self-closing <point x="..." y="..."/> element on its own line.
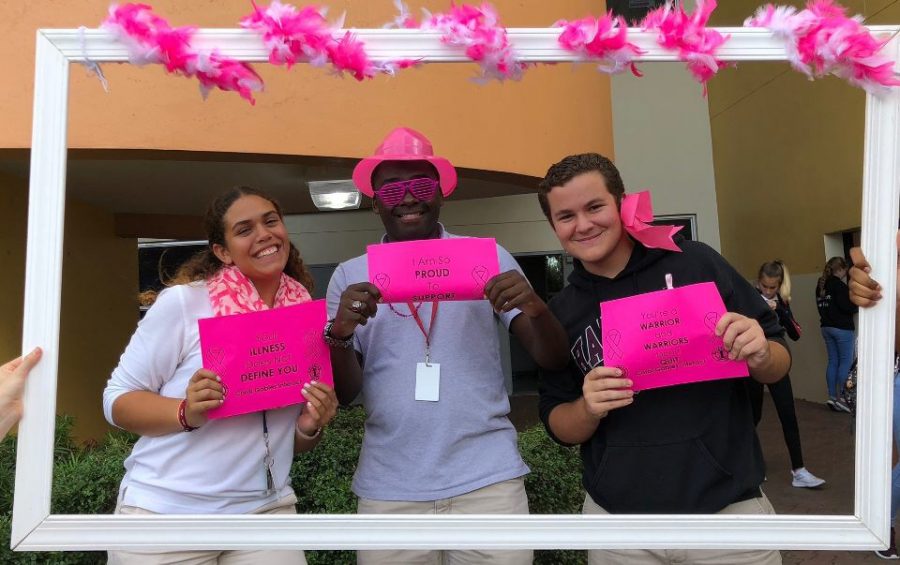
<point x="545" y="273"/>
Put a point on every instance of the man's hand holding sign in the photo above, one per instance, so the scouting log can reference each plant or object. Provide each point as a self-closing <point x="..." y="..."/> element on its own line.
<point x="511" y="290"/>
<point x="679" y="336"/>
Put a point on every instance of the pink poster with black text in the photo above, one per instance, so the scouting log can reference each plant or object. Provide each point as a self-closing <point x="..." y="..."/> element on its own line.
<point x="426" y="270"/>
<point x="264" y="358"/>
<point x="668" y="337"/>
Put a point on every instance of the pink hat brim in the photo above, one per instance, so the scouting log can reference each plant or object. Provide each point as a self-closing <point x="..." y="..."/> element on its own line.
<point x="362" y="173"/>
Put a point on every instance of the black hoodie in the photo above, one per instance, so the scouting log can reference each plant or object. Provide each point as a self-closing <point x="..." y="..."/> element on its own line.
<point x="677" y="450"/>
<point x="835" y="308"/>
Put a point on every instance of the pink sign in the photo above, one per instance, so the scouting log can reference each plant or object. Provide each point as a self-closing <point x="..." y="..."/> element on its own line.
<point x="433" y="269"/>
<point x="264" y="358"/>
<point x="668" y="337"/>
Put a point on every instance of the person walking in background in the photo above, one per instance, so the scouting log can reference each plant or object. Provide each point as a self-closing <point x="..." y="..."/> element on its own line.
<point x="836" y="318"/>
<point x="774" y="284"/>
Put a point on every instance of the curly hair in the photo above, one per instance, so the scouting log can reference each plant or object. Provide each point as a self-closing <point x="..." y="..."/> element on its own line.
<point x="205" y="264"/>
<point x="570" y="167"/>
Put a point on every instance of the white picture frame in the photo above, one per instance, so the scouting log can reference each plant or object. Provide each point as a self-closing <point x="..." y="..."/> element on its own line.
<point x="34" y="528"/>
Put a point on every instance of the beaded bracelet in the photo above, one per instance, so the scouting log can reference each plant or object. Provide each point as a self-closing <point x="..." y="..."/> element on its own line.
<point x="182" y="418"/>
<point x="338" y="342"/>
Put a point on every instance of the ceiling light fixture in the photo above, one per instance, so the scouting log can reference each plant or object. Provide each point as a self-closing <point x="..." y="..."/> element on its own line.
<point x="329" y="195"/>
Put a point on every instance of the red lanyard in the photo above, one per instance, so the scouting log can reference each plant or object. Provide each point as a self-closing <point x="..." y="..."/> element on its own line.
<point x="415" y="314"/>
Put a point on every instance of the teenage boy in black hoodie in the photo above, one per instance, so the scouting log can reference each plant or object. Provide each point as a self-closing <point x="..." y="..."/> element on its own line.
<point x="688" y="449"/>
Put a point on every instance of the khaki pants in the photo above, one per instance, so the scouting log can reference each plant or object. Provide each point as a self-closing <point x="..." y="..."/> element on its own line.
<point x="285" y="505"/>
<point x="688" y="556"/>
<point x="507" y="497"/>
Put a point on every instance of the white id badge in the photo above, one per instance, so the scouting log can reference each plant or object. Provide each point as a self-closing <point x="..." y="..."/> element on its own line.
<point x="428" y="381"/>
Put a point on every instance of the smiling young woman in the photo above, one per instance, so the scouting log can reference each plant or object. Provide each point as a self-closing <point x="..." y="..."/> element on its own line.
<point x="236" y="465"/>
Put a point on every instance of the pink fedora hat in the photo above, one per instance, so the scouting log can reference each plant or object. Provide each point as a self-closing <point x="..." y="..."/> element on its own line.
<point x="403" y="144"/>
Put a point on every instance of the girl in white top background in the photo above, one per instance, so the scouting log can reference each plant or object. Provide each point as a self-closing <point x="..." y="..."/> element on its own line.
<point x="185" y="463"/>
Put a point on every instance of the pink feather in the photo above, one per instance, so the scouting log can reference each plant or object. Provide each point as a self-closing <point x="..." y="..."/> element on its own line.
<point x="404" y="19"/>
<point x="391" y="67"/>
<point x="822" y="40"/>
<point x="688" y="35"/>
<point x="174" y="47"/>
<point x="291" y="35"/>
<point x="604" y="38"/>
<point x="150" y="39"/>
<point x="225" y="73"/>
<point x="349" y="54"/>
<point x="486" y="42"/>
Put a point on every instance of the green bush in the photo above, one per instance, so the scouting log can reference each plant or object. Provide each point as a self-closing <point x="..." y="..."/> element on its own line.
<point x="553" y="486"/>
<point x="321" y="477"/>
<point x="86" y="481"/>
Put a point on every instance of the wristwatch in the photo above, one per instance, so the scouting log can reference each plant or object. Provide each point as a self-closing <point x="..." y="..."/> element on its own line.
<point x="332" y="341"/>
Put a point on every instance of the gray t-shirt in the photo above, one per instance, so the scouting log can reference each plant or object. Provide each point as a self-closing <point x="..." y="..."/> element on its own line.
<point x="419" y="450"/>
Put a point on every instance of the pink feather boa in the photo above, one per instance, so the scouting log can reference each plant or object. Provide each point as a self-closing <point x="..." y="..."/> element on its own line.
<point x="150" y="39"/>
<point x="822" y="40"/>
<point x="604" y="38"/>
<point x="478" y="30"/>
<point x="291" y="35"/>
<point x="688" y="35"/>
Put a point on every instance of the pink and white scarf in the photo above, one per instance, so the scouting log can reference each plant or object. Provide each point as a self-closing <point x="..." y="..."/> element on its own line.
<point x="231" y="292"/>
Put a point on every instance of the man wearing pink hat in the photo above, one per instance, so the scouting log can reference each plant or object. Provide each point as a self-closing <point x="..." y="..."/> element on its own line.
<point x="456" y="455"/>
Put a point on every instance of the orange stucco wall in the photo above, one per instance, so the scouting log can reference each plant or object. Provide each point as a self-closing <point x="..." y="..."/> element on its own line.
<point x="99" y="301"/>
<point x="788" y="154"/>
<point x="516" y="127"/>
<point x="519" y="128"/>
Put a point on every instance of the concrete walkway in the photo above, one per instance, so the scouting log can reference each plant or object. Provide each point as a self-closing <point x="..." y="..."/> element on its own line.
<point x="828" y="451"/>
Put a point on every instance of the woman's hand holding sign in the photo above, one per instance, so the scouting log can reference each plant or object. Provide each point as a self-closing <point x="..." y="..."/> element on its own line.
<point x="320" y="409"/>
<point x="204" y="392"/>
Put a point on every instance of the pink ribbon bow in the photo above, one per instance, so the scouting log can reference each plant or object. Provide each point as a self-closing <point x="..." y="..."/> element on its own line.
<point x="636" y="212"/>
